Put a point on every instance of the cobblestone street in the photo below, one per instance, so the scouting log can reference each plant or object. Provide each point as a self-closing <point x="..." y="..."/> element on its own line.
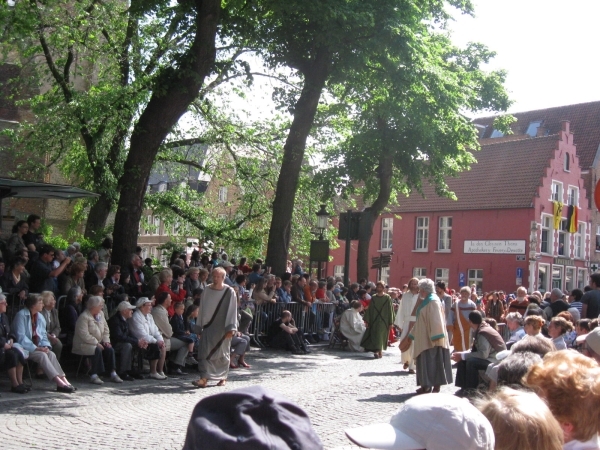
<point x="337" y="389"/>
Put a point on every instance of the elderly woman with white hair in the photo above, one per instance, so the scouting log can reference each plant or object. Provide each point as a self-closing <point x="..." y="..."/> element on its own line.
<point x="92" y="339"/>
<point x="431" y="346"/>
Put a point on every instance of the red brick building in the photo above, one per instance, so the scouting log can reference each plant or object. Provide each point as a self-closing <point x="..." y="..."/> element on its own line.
<point x="499" y="234"/>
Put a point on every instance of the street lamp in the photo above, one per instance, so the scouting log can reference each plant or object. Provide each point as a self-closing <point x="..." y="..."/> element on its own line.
<point x="322" y="221"/>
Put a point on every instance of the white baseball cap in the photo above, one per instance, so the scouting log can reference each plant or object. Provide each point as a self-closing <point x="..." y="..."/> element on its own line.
<point x="432" y="422"/>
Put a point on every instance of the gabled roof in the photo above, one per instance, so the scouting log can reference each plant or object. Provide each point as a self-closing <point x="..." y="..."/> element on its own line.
<point x="585" y="126"/>
<point x="506" y="176"/>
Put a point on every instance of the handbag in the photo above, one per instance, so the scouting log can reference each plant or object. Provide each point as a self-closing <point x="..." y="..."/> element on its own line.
<point x="407" y="341"/>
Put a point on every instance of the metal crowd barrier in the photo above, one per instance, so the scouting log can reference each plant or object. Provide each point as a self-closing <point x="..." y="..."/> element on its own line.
<point x="318" y="319"/>
<point x="504" y="331"/>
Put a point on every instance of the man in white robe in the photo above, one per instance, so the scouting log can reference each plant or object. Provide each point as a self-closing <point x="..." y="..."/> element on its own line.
<point x="403" y="319"/>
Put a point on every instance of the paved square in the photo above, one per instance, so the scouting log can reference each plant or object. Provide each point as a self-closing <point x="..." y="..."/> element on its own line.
<point x="337" y="389"/>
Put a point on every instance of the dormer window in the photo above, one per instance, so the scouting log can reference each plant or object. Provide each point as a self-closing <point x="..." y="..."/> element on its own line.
<point x="496" y="134"/>
<point x="162" y="187"/>
<point x="532" y="129"/>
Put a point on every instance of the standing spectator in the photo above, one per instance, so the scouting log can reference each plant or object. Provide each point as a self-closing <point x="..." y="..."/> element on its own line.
<point x="75" y="278"/>
<point x="243" y="266"/>
<point x="514" y="322"/>
<point x="254" y="276"/>
<point x="486" y="345"/>
<point x="147" y="268"/>
<point x="50" y="313"/>
<point x="217" y="321"/>
<point x="557" y="304"/>
<point x="33" y="240"/>
<point x="15" y="243"/>
<point x="557" y="328"/>
<point x="138" y="282"/>
<point x="11" y="358"/>
<point x="379" y="318"/>
<point x="591" y="299"/>
<point x="440" y="290"/>
<point x="105" y="251"/>
<point x="458" y="321"/>
<point x="123" y="341"/>
<point x="13" y="280"/>
<point x="431" y="346"/>
<point x="42" y="274"/>
<point x="519" y="304"/>
<point x="30" y="329"/>
<point x="404" y="318"/>
<point x="142" y="326"/>
<point x="575" y="299"/>
<point x="192" y="280"/>
<point x="92" y="338"/>
<point x="494" y="308"/>
<point x="96" y="278"/>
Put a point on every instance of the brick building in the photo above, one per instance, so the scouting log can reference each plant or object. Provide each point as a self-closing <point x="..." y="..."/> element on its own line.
<point x="499" y="234"/>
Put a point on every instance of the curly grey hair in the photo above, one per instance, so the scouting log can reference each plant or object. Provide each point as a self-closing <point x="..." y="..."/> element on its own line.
<point x="427" y="285"/>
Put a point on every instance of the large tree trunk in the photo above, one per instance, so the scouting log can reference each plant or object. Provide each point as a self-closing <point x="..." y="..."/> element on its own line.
<point x="97" y="217"/>
<point x="385" y="172"/>
<point x="293" y="157"/>
<point x="171" y="97"/>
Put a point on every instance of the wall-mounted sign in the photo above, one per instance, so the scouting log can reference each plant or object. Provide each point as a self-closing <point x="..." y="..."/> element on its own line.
<point x="520" y="257"/>
<point x="495" y="247"/>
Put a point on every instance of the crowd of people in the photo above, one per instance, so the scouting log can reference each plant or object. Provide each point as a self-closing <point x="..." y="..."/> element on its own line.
<point x="510" y="350"/>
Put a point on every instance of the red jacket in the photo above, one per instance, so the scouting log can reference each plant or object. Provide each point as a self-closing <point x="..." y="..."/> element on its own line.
<point x="179" y="297"/>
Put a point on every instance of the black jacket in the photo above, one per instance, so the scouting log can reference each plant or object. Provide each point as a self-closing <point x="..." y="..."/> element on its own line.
<point x="178" y="326"/>
<point x="9" y="285"/>
<point x="119" y="331"/>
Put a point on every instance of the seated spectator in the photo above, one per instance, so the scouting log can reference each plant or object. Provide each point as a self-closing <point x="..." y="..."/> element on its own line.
<point x="42" y="273"/>
<point x="433" y="422"/>
<point x="113" y="277"/>
<point x="283" y="334"/>
<point x="13" y="282"/>
<point x="592" y="344"/>
<point x="570" y="385"/>
<point x="178" y="348"/>
<point x="515" y="366"/>
<point x="487" y="342"/>
<point x="75" y="278"/>
<point x="521" y="420"/>
<point x="96" y="278"/>
<point x="166" y="278"/>
<point x="53" y="329"/>
<point x="352" y="326"/>
<point x="142" y="326"/>
<point x="183" y="332"/>
<point x="514" y="322"/>
<point x="71" y="311"/>
<point x="123" y="341"/>
<point x="260" y="294"/>
<point x="15" y="243"/>
<point x="189" y="320"/>
<point x="240" y="343"/>
<point x="30" y="329"/>
<point x="255" y="275"/>
<point x="192" y="280"/>
<point x="533" y="325"/>
<point x="11" y="357"/>
<point x="362" y="298"/>
<point x="557" y="328"/>
<point x="92" y="338"/>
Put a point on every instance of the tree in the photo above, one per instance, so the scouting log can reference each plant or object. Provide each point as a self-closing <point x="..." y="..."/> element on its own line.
<point x="411" y="124"/>
<point x="322" y="42"/>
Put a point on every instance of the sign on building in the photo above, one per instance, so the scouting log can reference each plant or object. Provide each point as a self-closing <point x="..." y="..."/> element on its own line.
<point x="495" y="247"/>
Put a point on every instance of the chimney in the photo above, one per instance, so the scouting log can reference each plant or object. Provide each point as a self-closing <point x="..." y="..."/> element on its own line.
<point x="565" y="126"/>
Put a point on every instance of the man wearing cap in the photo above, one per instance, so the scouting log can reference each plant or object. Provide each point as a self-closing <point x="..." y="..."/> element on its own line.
<point x="557" y="304"/>
<point x="487" y="342"/>
<point x="142" y="326"/>
<point x="592" y="344"/>
<point x="228" y="267"/>
<point x="432" y="422"/>
<point x="123" y="341"/>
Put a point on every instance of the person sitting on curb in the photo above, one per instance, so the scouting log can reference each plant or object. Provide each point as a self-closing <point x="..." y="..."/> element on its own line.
<point x="283" y="334"/>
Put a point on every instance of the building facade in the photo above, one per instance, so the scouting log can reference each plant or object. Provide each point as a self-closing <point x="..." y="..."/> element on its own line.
<point x="502" y="232"/>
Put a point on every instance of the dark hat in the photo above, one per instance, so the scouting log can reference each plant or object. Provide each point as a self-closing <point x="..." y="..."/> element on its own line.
<point x="250" y="418"/>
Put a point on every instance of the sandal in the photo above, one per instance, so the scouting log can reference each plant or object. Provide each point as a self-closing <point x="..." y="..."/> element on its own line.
<point x="201" y="383"/>
<point x="222" y="383"/>
<point x="405" y="366"/>
<point x="423" y="390"/>
<point x="233" y="366"/>
<point x="436" y="390"/>
<point x="412" y="371"/>
<point x="244" y="364"/>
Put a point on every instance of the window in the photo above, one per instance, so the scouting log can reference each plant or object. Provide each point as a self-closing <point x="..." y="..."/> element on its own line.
<point x="557" y="191"/>
<point x="442" y="275"/>
<point x="532" y="129"/>
<point x="579" y="241"/>
<point x="422" y="233"/>
<point x="157" y="226"/>
<point x="573" y="196"/>
<point x="557" y="277"/>
<point x="567" y="162"/>
<point x="144" y="252"/>
<point x="162" y="186"/>
<point x="547" y="232"/>
<point x="598" y="238"/>
<point x="387" y="229"/>
<point x="563" y="238"/>
<point x="420" y="272"/>
<point x="338" y="271"/>
<point x="223" y="194"/>
<point x="384" y="275"/>
<point x="475" y="278"/>
<point x="148" y="225"/>
<point x="445" y="233"/>
<point x="543" y="271"/>
<point x="151" y="252"/>
<point x="570" y="278"/>
<point x="582" y="278"/>
<point x="497" y="134"/>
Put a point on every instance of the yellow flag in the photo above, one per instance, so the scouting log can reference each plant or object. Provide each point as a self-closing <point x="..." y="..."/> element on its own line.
<point x="558" y="207"/>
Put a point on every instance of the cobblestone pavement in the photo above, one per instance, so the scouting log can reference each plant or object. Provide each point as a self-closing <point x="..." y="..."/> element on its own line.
<point x="337" y="389"/>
